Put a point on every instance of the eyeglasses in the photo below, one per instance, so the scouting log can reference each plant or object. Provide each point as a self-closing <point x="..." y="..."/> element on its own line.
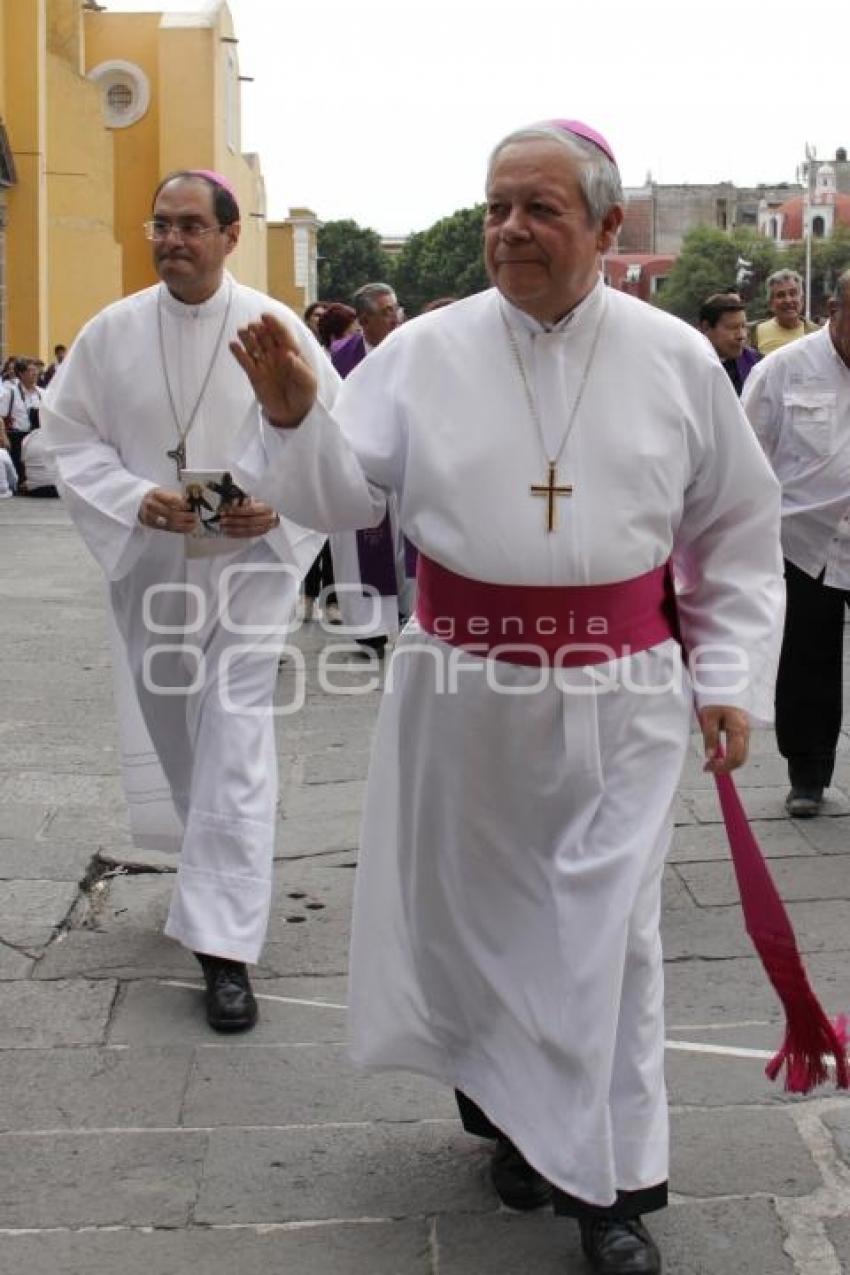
<point x="189" y="231"/>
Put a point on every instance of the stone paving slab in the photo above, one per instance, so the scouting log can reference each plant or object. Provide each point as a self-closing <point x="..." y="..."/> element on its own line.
<point x="119" y="954"/>
<point x="713" y="884"/>
<point x="32" y="911"/>
<point x="765" y="803"/>
<point x="839" y="1236"/>
<point x="38" y="787"/>
<point x="295" y="1084"/>
<point x="21" y="820"/>
<point x="41" y="1015"/>
<point x="99" y="1179"/>
<point x="838" y="1123"/>
<point x="827" y="836"/>
<point x="342" y="1172"/>
<point x="736" y="1237"/>
<point x="705" y="991"/>
<point x="306" y="835"/>
<point x="26" y="859"/>
<point x="152" y="1013"/>
<point x="335" y="1248"/>
<point x="507" y="1243"/>
<point x="92" y="1088"/>
<point x="89" y="828"/>
<point x="705" y="1080"/>
<point x="329" y="799"/>
<point x="701" y="843"/>
<point x="14" y="964"/>
<point x="718" y="932"/>
<point x="726" y="1152"/>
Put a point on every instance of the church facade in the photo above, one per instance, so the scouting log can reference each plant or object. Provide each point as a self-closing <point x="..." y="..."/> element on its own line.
<point x="95" y="107"/>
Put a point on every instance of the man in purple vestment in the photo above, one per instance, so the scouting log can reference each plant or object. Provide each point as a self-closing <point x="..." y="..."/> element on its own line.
<point x="723" y="321"/>
<point x="373" y="556"/>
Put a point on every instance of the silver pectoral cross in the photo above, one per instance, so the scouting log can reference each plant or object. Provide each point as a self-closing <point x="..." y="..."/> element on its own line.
<point x="550" y="489"/>
<point x="178" y="455"/>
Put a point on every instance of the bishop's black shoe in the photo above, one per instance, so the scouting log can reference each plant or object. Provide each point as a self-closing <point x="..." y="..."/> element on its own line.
<point x="517" y="1184"/>
<point x="619" y="1246"/>
<point x="231" y="1006"/>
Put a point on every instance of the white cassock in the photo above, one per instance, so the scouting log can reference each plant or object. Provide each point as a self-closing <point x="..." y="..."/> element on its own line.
<point x="366" y="612"/>
<point x="505" y="936"/>
<point x="194" y="694"/>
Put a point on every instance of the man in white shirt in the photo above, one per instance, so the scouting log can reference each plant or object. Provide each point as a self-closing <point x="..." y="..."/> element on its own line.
<point x="798" y="401"/>
<point x="505" y="935"/>
<point x="20" y="404"/>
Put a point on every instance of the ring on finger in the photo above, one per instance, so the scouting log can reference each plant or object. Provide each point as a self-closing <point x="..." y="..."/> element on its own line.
<point x="160" y="521"/>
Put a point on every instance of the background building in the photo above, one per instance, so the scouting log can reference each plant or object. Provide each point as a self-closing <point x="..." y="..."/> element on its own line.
<point x="59" y="261"/>
<point x="95" y="108"/>
<point x="658" y="217"/>
<point x="293" y="259"/>
<point x="169" y="88"/>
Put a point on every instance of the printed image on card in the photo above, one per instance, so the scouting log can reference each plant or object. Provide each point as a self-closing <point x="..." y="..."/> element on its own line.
<point x="207" y="493"/>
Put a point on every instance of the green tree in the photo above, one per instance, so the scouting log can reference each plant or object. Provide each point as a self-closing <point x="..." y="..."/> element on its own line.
<point x="829" y="258"/>
<point x="708" y="262"/>
<point x="349" y="256"/>
<point x="445" y="260"/>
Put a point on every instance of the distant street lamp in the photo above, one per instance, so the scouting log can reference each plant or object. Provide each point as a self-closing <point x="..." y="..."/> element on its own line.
<point x="807" y="224"/>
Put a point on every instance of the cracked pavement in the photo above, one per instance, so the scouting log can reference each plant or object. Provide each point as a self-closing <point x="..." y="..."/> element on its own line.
<point x="133" y="1140"/>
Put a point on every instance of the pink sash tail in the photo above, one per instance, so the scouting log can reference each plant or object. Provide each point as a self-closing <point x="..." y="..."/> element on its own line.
<point x="572" y="626"/>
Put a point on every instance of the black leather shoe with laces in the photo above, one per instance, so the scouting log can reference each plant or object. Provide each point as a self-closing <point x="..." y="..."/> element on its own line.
<point x="619" y="1246"/>
<point x="517" y="1184"/>
<point x="231" y="1006"/>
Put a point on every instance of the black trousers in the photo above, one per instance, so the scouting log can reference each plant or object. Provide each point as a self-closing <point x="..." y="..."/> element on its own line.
<point x="808" y="687"/>
<point x="627" y="1204"/>
<point x="16" y="439"/>
<point x="321" y="576"/>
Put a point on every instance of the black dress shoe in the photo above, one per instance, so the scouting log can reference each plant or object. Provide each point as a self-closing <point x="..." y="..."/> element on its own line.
<point x="517" y="1184"/>
<point x="231" y="1006"/>
<point x="619" y="1246"/>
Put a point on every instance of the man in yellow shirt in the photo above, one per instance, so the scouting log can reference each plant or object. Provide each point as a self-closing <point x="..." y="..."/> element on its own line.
<point x="785" y="300"/>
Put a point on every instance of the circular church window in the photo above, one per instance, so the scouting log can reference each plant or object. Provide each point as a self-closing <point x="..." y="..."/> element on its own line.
<point x="125" y="92"/>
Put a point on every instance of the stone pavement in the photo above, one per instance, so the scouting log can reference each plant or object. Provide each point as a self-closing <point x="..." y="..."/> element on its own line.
<point x="136" y="1143"/>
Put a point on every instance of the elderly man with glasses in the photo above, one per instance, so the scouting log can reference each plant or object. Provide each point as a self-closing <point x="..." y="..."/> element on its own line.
<point x="148" y="397"/>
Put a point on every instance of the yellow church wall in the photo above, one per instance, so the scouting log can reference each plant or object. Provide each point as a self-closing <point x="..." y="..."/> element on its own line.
<point x="84" y="260"/>
<point x="186" y="126"/>
<point x="131" y="37"/>
<point x="24" y="114"/>
<point x="281" y="264"/>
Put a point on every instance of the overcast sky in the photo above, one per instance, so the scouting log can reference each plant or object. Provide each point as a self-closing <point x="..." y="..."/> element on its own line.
<point x="385" y="110"/>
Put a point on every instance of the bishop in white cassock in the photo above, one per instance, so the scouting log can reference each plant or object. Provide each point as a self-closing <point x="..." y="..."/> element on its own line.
<point x="549" y="433"/>
<point x="149" y="389"/>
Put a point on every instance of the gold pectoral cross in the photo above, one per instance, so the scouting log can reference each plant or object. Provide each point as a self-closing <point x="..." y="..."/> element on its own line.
<point x="550" y="490"/>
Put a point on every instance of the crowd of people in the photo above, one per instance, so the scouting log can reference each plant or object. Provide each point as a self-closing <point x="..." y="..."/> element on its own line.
<point x="505" y="932"/>
<point x="26" y="468"/>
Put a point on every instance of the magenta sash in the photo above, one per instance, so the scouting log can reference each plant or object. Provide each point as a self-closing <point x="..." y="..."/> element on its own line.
<point x="567" y="626"/>
<point x="579" y="625"/>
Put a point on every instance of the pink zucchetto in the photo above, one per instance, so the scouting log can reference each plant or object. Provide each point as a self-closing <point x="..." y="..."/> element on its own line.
<point x="578" y="129"/>
<point x="218" y="178"/>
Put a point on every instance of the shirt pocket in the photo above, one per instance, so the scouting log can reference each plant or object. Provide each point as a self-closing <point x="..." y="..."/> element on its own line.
<point x="812" y="416"/>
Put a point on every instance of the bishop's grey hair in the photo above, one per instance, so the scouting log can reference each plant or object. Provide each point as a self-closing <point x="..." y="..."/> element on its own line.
<point x="598" y="176"/>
